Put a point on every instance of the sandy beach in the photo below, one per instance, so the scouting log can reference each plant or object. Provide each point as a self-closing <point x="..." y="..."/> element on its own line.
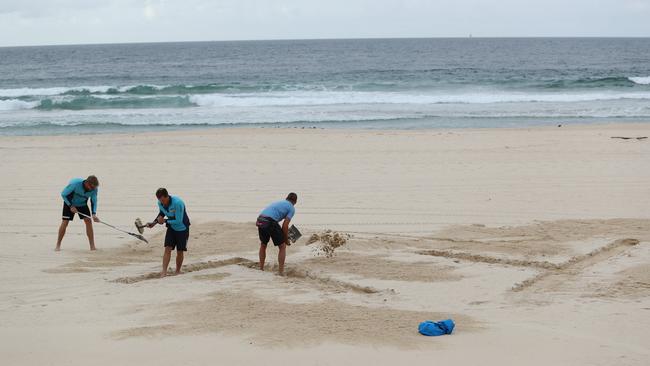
<point x="536" y="242"/>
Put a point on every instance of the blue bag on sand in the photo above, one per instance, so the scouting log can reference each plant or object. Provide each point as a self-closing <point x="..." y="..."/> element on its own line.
<point x="429" y="328"/>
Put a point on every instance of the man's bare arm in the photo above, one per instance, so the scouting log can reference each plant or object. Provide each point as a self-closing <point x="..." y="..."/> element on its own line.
<point x="285" y="230"/>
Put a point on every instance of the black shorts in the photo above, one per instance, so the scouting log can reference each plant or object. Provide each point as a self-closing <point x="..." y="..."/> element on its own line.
<point x="69" y="216"/>
<point x="177" y="239"/>
<point x="269" y="229"/>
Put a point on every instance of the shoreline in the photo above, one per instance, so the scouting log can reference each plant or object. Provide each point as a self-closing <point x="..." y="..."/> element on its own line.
<point x="285" y="127"/>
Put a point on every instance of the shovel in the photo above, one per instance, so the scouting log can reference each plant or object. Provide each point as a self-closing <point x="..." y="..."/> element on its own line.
<point x="294" y="234"/>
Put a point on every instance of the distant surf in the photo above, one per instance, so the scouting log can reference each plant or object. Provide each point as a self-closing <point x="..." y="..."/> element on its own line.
<point x="215" y="95"/>
<point x="346" y="83"/>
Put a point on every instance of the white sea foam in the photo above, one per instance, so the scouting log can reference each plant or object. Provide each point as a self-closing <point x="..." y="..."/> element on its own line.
<point x="323" y="97"/>
<point x="15" y="104"/>
<point x="331" y="98"/>
<point x="296" y="99"/>
<point x="643" y="80"/>
<point x="386" y="115"/>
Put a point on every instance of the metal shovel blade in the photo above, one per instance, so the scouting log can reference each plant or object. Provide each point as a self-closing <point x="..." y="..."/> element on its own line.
<point x="294" y="234"/>
<point x="139" y="225"/>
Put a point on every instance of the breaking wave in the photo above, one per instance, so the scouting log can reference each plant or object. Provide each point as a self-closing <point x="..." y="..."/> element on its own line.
<point x="77" y="99"/>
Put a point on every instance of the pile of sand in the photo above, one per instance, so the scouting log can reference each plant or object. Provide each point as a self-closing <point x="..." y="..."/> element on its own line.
<point x="328" y="241"/>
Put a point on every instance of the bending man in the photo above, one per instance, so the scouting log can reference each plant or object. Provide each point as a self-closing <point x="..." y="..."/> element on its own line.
<point x="268" y="227"/>
<point x="178" y="228"/>
<point x="75" y="201"/>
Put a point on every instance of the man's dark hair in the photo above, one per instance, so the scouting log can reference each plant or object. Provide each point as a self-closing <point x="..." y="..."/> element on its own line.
<point x="292" y="197"/>
<point x="93" y="180"/>
<point x="162" y="192"/>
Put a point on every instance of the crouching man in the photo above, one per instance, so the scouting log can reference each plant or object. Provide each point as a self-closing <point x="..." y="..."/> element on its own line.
<point x="268" y="228"/>
<point x="172" y="212"/>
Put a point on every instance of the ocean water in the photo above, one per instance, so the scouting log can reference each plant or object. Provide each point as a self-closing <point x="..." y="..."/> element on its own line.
<point x="383" y="83"/>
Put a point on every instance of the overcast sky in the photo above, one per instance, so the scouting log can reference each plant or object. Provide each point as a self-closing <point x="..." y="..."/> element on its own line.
<point x="38" y="22"/>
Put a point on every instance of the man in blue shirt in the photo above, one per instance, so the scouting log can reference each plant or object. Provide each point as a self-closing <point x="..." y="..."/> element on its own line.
<point x="268" y="227"/>
<point x="178" y="228"/>
<point x="75" y="201"/>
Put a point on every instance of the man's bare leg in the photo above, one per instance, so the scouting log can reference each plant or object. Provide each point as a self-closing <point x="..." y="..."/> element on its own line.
<point x="281" y="256"/>
<point x="166" y="258"/>
<point x="62" y="228"/>
<point x="179" y="261"/>
<point x="262" y="256"/>
<point x="90" y="233"/>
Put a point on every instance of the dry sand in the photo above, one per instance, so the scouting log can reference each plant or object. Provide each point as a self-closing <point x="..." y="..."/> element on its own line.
<point x="535" y="241"/>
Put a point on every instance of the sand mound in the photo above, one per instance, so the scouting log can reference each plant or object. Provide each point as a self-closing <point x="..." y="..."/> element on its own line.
<point x="306" y="324"/>
<point x="328" y="241"/>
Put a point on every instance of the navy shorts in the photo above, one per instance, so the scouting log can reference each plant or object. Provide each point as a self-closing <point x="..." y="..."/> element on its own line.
<point x="177" y="239"/>
<point x="69" y="216"/>
<point x="268" y="229"/>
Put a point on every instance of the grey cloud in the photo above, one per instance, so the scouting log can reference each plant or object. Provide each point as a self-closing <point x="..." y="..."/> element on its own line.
<point x="90" y="21"/>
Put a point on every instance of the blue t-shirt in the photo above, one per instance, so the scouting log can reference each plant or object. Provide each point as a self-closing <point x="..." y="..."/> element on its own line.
<point x="279" y="210"/>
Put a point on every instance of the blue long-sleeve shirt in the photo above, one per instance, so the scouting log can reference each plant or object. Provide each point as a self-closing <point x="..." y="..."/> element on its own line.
<point x="177" y="218"/>
<point x="74" y="194"/>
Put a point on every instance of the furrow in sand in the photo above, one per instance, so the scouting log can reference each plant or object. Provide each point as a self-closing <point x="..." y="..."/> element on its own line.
<point x="487" y="259"/>
<point x="574" y="265"/>
<point x="298" y="273"/>
<point x="293" y="273"/>
<point x="622" y="243"/>
<point x="199" y="266"/>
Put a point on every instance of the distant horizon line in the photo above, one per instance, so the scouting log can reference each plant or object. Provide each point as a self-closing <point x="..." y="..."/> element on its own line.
<point x="470" y="36"/>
